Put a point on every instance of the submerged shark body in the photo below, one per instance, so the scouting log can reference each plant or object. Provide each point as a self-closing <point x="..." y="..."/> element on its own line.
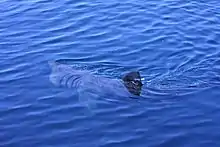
<point x="89" y="85"/>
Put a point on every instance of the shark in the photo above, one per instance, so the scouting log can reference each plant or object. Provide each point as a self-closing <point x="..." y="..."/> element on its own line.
<point x="90" y="86"/>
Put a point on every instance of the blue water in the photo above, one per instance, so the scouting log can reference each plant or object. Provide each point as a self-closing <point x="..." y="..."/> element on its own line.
<point x="173" y="43"/>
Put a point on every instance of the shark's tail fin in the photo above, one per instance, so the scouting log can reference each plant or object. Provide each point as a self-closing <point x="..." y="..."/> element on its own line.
<point x="132" y="82"/>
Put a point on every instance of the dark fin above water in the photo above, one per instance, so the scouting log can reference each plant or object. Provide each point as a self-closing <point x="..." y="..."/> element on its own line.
<point x="132" y="82"/>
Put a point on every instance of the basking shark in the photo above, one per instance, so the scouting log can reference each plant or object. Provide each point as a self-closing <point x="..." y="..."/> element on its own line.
<point x="89" y="85"/>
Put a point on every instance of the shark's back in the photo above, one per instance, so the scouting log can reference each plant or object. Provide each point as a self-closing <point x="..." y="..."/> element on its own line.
<point x="105" y="86"/>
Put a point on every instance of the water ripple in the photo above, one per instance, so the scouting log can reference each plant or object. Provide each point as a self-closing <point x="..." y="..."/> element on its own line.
<point x="174" y="44"/>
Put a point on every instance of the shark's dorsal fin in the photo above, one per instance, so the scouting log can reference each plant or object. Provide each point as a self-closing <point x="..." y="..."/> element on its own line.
<point x="132" y="82"/>
<point x="132" y="76"/>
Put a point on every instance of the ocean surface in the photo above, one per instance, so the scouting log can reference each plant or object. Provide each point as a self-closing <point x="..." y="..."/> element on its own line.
<point x="175" y="44"/>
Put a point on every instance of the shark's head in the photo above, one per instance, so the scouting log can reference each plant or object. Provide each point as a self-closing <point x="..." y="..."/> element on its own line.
<point x="132" y="82"/>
